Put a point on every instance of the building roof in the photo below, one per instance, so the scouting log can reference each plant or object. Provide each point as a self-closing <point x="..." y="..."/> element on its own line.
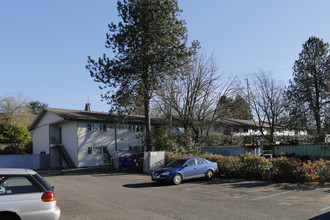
<point x="90" y="116"/>
<point x="246" y="123"/>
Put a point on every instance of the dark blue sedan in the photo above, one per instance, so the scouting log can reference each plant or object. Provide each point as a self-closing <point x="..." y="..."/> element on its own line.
<point x="184" y="169"/>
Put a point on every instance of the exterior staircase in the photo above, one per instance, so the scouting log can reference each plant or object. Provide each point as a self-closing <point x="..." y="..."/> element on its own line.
<point x="64" y="154"/>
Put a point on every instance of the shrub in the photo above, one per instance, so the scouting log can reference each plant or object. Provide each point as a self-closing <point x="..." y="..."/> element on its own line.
<point x="253" y="166"/>
<point x="170" y="156"/>
<point x="325" y="174"/>
<point x="164" y="139"/>
<point x="230" y="166"/>
<point x="285" y="169"/>
<point x="322" y="170"/>
<point x="316" y="171"/>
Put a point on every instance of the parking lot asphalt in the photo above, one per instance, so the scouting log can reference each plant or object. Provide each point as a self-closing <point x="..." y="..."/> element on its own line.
<point x="101" y="193"/>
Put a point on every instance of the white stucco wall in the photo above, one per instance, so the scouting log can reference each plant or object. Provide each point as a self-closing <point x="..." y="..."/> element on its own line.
<point x="70" y="140"/>
<point x="76" y="139"/>
<point x="41" y="134"/>
<point x="41" y="139"/>
<point x="54" y="132"/>
<point x="49" y="118"/>
<point x="87" y="139"/>
<point x="126" y="138"/>
<point x="92" y="139"/>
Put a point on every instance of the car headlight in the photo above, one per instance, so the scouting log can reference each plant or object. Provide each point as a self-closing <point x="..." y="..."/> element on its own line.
<point x="165" y="173"/>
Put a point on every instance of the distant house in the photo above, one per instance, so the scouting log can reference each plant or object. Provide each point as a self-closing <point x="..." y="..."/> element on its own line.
<point x="249" y="127"/>
<point x="80" y="138"/>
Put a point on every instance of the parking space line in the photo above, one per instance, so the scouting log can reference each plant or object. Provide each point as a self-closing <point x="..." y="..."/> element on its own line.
<point x="138" y="178"/>
<point x="185" y="185"/>
<point x="277" y="194"/>
<point x="215" y="191"/>
<point x="325" y="209"/>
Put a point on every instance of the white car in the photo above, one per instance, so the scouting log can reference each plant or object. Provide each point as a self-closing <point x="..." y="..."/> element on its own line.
<point x="25" y="195"/>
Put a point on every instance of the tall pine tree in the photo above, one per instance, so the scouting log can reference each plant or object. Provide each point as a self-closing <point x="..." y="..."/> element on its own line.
<point x="308" y="94"/>
<point x="148" y="45"/>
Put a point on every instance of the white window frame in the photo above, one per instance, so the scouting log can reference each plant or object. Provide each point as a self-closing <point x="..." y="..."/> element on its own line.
<point x="96" y="127"/>
<point x="92" y="150"/>
<point x="136" y="128"/>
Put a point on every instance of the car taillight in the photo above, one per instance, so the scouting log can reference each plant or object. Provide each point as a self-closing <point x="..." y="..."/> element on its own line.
<point x="48" y="197"/>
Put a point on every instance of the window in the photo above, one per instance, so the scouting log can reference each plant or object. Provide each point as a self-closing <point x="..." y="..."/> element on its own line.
<point x="136" y="148"/>
<point x="96" y="127"/>
<point x="43" y="182"/>
<point x="97" y="150"/>
<point x="191" y="163"/>
<point x="136" y="128"/>
<point x="122" y="127"/>
<point x="17" y="185"/>
<point x="201" y="161"/>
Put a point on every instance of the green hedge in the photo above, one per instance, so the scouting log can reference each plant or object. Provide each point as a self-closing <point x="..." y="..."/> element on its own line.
<point x="281" y="169"/>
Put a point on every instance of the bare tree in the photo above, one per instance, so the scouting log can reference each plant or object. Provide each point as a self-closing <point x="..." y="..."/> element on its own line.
<point x="194" y="97"/>
<point x="14" y="107"/>
<point x="265" y="96"/>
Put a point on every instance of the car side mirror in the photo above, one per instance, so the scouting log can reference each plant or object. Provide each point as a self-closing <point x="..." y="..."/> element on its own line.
<point x="185" y="166"/>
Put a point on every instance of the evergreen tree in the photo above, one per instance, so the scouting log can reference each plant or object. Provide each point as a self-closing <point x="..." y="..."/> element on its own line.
<point x="36" y="107"/>
<point x="14" y="133"/>
<point x="242" y="109"/>
<point x="147" y="45"/>
<point x="308" y="94"/>
<point x="236" y="108"/>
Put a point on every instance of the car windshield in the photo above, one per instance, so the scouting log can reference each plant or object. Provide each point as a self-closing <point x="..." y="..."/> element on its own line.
<point x="177" y="163"/>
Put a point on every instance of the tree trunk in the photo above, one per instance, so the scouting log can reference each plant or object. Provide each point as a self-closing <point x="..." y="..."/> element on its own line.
<point x="148" y="141"/>
<point x="318" y="120"/>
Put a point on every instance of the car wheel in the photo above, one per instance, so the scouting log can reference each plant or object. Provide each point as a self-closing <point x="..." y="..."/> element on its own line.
<point x="9" y="216"/>
<point x="209" y="174"/>
<point x="177" y="179"/>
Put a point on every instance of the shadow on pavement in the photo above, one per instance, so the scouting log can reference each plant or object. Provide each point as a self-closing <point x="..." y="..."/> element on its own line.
<point x="201" y="181"/>
<point x="145" y="185"/>
<point x="252" y="184"/>
<point x="325" y="216"/>
<point x="246" y="183"/>
<point x="233" y="182"/>
<point x="94" y="171"/>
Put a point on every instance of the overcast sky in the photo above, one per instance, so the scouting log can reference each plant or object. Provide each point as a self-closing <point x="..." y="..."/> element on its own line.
<point x="45" y="44"/>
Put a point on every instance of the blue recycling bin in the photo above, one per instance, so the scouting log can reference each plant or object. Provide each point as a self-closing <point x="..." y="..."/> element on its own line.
<point x="121" y="163"/>
<point x="127" y="163"/>
<point x="124" y="163"/>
